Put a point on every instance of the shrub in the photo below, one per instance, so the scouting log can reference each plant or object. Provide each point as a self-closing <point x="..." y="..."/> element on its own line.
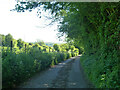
<point x="19" y="65"/>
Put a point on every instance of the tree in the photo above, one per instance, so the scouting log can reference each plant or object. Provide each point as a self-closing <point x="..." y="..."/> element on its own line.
<point x="36" y="45"/>
<point x="45" y="48"/>
<point x="20" y="43"/>
<point x="3" y="39"/>
<point x="57" y="47"/>
<point x="8" y="39"/>
<point x="30" y="43"/>
<point x="72" y="47"/>
<point x="14" y="43"/>
<point x="64" y="47"/>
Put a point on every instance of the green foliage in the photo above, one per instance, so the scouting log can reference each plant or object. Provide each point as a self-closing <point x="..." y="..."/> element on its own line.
<point x="57" y="47"/>
<point x="94" y="27"/>
<point x="8" y="39"/>
<point x="22" y="63"/>
<point x="36" y="45"/>
<point x="45" y="48"/>
<point x="20" y="43"/>
<point x="64" y="47"/>
<point x="103" y="74"/>
<point x="3" y="39"/>
<point x="14" y="43"/>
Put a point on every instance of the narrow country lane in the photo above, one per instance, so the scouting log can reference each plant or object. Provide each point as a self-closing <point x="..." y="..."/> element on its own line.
<point x="67" y="74"/>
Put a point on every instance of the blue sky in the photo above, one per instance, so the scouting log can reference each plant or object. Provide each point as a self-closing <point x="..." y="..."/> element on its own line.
<point x="27" y="25"/>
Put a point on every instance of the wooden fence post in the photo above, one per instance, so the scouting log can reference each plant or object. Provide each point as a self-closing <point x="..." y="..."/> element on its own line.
<point x="11" y="45"/>
<point x="39" y="49"/>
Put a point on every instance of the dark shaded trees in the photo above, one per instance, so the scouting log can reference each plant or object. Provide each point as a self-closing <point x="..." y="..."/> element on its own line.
<point x="20" y="43"/>
<point x="8" y="39"/>
<point x="3" y="39"/>
<point x="57" y="47"/>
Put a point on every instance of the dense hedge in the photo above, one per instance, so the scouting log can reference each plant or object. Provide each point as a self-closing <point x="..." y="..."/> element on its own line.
<point x="101" y="73"/>
<point x="18" y="67"/>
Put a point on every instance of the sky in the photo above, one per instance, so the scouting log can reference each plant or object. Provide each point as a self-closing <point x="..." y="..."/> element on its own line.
<point x="26" y="25"/>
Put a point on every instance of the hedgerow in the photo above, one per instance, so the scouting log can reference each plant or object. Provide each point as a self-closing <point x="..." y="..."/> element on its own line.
<point x="19" y="65"/>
